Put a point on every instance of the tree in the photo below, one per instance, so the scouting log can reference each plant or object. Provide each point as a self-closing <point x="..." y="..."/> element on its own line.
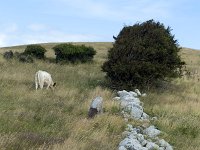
<point x="142" y="55"/>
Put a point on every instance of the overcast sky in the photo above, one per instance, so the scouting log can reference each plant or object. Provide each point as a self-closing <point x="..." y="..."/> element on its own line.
<point x="41" y="21"/>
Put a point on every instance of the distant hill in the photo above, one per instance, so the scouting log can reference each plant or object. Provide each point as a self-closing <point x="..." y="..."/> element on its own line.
<point x="191" y="56"/>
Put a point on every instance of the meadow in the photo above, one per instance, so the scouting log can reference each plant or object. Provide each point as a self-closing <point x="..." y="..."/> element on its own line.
<point x="47" y="119"/>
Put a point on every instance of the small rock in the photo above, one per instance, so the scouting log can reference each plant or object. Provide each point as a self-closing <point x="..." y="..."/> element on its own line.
<point x="96" y="107"/>
<point x="129" y="127"/>
<point x="138" y="92"/>
<point x="134" y="94"/>
<point x="144" y="95"/>
<point x="145" y="116"/>
<point x="152" y="131"/>
<point x="163" y="143"/>
<point x="152" y="146"/>
<point x="122" y="148"/>
<point x="116" y="98"/>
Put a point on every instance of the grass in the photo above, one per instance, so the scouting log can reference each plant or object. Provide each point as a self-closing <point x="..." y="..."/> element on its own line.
<point x="46" y="119"/>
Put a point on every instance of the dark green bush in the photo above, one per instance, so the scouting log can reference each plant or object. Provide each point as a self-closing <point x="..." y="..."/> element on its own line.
<point x="35" y="50"/>
<point x="142" y="55"/>
<point x="73" y="53"/>
<point x="8" y="55"/>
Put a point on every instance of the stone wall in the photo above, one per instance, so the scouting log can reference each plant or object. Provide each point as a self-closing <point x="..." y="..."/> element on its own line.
<point x="141" y="137"/>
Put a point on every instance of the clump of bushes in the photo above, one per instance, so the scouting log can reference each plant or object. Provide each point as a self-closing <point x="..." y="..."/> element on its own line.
<point x="30" y="52"/>
<point x="73" y="53"/>
<point x="22" y="57"/>
<point x="142" y="55"/>
<point x="8" y="55"/>
<point x="35" y="50"/>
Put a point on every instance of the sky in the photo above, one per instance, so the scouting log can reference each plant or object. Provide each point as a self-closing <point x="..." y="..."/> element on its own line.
<point x="42" y="21"/>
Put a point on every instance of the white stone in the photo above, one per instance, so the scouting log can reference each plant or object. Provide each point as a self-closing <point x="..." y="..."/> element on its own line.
<point x="126" y="116"/>
<point x="128" y="104"/>
<point x="131" y="144"/>
<point x="136" y="112"/>
<point x="152" y="131"/>
<point x="132" y="136"/>
<point x="165" y="144"/>
<point x="129" y="127"/>
<point x="124" y="142"/>
<point x="134" y="131"/>
<point x="152" y="146"/>
<point x="123" y="93"/>
<point x="144" y="95"/>
<point x="138" y="92"/>
<point x="122" y="148"/>
<point x="145" y="116"/>
<point x="98" y="104"/>
<point x="116" y="98"/>
<point x="143" y="143"/>
<point x="169" y="147"/>
<point x="134" y="94"/>
<point x="135" y="138"/>
<point x="140" y="137"/>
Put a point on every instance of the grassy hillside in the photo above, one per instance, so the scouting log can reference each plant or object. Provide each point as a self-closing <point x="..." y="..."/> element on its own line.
<point x="46" y="119"/>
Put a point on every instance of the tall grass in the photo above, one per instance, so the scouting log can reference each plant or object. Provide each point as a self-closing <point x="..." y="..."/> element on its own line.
<point x="47" y="119"/>
<point x="177" y="106"/>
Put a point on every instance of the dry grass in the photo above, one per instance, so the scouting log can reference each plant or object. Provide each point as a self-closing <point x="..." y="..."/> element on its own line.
<point x="58" y="119"/>
<point x="46" y="119"/>
<point x="177" y="107"/>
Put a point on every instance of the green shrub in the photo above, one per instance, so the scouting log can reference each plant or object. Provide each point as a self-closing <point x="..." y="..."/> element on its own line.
<point x="36" y="51"/>
<point x="73" y="53"/>
<point x="142" y="55"/>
